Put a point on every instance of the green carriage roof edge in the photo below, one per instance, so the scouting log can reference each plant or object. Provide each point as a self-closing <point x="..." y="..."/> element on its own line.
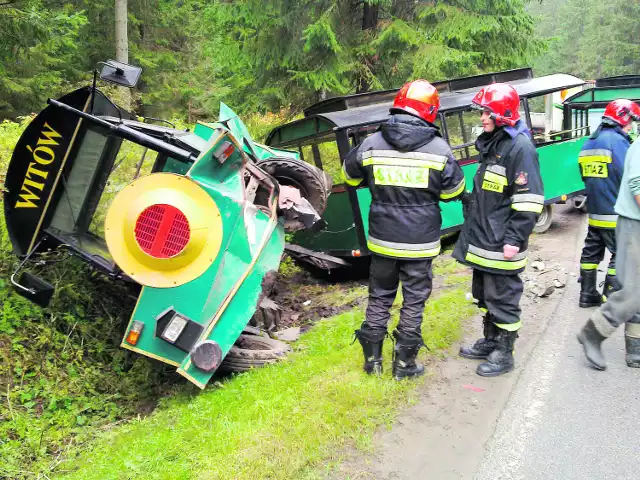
<point x="605" y="90"/>
<point x="373" y="108"/>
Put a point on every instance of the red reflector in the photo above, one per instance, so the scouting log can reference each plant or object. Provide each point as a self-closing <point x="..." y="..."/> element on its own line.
<point x="162" y="231"/>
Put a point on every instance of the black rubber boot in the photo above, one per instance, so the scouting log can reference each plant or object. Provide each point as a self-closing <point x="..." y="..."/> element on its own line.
<point x="372" y="349"/>
<point x="589" y="295"/>
<point x="591" y="340"/>
<point x="632" y="342"/>
<point x="611" y="284"/>
<point x="483" y="347"/>
<point x="404" y="357"/>
<point x="500" y="360"/>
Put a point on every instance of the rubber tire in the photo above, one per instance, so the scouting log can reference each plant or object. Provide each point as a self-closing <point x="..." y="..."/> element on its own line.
<point x="313" y="183"/>
<point x="241" y="359"/>
<point x="544" y="220"/>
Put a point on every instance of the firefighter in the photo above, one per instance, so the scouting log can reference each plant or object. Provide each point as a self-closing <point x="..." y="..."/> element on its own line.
<point x="409" y="169"/>
<point x="623" y="305"/>
<point x="601" y="163"/>
<point x="506" y="200"/>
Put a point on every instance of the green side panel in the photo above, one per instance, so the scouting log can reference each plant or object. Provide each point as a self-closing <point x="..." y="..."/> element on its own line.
<point x="176" y="166"/>
<point x="222" y="178"/>
<point x="263" y="152"/>
<point x="340" y="233"/>
<point x="364" y="199"/>
<point x="613" y="94"/>
<point x="204" y="131"/>
<point x="188" y="299"/>
<point x="236" y="126"/>
<point x="559" y="168"/>
<point x="245" y="229"/>
<point x="243" y="304"/>
<point x="452" y="211"/>
<point x="606" y="94"/>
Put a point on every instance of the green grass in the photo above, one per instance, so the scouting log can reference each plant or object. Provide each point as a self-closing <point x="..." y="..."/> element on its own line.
<point x="445" y="265"/>
<point x="278" y="422"/>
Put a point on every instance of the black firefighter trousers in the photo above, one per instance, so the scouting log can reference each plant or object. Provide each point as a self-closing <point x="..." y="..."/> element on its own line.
<point x="385" y="274"/>
<point x="594" y="245"/>
<point x="500" y="296"/>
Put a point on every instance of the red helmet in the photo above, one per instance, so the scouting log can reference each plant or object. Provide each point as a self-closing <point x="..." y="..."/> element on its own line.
<point x="502" y="100"/>
<point x="622" y="111"/>
<point x="418" y="98"/>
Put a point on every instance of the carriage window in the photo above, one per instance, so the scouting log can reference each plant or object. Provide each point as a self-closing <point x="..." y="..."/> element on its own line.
<point x="133" y="161"/>
<point x="546" y="114"/>
<point x="325" y="156"/>
<point x="463" y="128"/>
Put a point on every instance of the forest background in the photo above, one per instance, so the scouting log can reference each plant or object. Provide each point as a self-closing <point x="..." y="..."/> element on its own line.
<point x="63" y="378"/>
<point x="262" y="57"/>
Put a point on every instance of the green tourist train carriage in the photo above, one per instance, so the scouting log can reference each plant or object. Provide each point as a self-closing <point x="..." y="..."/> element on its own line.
<point x="560" y="110"/>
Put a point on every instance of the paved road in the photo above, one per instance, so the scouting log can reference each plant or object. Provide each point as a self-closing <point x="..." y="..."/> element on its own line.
<point x="552" y="418"/>
<point x="564" y="420"/>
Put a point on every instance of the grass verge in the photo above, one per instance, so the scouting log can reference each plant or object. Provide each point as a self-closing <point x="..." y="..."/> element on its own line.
<point x="278" y="422"/>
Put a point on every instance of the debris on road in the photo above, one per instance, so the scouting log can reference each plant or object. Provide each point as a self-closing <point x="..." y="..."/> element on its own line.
<point x="538" y="266"/>
<point x="542" y="280"/>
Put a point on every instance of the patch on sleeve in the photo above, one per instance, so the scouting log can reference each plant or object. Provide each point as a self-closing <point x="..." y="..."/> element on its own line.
<point x="521" y="178"/>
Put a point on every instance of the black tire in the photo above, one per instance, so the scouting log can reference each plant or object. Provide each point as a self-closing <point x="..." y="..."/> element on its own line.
<point x="251" y="351"/>
<point x="544" y="220"/>
<point x="313" y="183"/>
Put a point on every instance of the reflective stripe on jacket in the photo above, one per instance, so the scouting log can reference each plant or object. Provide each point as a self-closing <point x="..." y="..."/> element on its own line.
<point x="508" y="196"/>
<point x="601" y="163"/>
<point x="409" y="169"/>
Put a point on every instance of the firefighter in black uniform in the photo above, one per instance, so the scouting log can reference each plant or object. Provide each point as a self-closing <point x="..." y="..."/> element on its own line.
<point x="409" y="169"/>
<point x="506" y="201"/>
<point x="601" y="163"/>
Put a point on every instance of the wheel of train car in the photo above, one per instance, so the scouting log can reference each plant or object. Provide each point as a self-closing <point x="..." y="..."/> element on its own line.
<point x="313" y="183"/>
<point x="251" y="351"/>
<point x="544" y="220"/>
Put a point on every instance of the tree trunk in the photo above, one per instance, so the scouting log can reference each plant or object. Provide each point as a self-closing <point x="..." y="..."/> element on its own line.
<point x="122" y="45"/>
<point x="369" y="22"/>
<point x="370" y="16"/>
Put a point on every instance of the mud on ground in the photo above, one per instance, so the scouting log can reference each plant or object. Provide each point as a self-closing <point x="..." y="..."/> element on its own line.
<point x="303" y="299"/>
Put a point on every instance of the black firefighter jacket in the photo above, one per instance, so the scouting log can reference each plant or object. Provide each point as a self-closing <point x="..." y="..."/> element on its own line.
<point x="409" y="169"/>
<point x="507" y="198"/>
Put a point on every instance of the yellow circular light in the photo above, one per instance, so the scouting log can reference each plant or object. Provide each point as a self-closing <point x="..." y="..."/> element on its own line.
<point x="186" y="196"/>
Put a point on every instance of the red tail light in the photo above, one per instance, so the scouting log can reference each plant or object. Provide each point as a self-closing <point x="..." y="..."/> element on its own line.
<point x="162" y="231"/>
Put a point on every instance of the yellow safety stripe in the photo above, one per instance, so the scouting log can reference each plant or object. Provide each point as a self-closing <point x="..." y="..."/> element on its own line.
<point x="588" y="266"/>
<point x="404" y="162"/>
<point x="495" y="178"/>
<point x="595" y="158"/>
<point x="510" y="327"/>
<point x="396" y="176"/>
<point x="353" y="182"/>
<point x="396" y="252"/>
<point x="497" y="264"/>
<point x="611" y="271"/>
<point x="527" y="207"/>
<point x="447" y="194"/>
<point x="602" y="223"/>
